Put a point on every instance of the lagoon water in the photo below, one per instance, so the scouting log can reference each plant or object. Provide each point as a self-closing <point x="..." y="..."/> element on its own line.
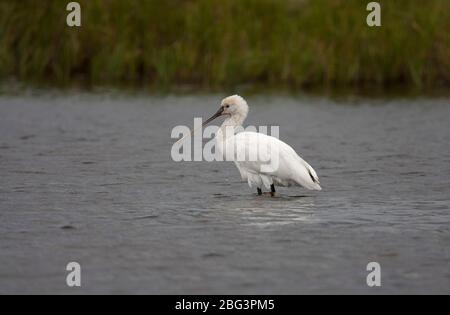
<point x="88" y="178"/>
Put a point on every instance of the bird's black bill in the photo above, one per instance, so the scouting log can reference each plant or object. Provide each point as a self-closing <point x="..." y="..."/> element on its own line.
<point x="219" y="113"/>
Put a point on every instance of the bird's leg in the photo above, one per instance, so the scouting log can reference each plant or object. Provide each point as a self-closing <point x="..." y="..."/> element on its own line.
<point x="259" y="191"/>
<point x="272" y="190"/>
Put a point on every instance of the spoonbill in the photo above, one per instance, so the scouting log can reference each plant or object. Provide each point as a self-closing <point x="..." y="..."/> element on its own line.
<point x="290" y="170"/>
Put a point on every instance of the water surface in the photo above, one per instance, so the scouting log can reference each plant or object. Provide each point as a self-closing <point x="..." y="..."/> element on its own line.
<point x="89" y="178"/>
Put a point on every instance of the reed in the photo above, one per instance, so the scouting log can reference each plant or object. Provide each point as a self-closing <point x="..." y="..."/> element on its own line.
<point x="224" y="43"/>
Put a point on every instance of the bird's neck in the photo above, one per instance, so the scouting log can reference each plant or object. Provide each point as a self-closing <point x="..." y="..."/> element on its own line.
<point x="229" y="126"/>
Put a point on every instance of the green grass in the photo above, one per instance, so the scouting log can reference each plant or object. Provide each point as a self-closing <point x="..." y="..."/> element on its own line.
<point x="220" y="43"/>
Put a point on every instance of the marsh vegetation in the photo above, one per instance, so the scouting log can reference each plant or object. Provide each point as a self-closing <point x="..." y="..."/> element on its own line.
<point x="212" y="43"/>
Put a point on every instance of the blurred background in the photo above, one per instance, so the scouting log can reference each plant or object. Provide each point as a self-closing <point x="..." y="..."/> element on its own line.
<point x="213" y="44"/>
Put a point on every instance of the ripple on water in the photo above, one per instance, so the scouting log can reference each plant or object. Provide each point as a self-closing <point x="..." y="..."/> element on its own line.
<point x="102" y="165"/>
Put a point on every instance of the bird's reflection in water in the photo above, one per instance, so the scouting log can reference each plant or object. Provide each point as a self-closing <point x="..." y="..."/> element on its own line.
<point x="267" y="211"/>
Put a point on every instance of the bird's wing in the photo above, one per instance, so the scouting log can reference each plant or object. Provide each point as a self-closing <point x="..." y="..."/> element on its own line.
<point x="258" y="153"/>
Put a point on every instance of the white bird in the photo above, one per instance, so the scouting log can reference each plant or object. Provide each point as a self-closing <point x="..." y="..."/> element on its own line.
<point x="262" y="160"/>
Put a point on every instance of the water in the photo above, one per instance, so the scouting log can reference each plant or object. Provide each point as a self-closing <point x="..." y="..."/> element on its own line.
<point x="89" y="178"/>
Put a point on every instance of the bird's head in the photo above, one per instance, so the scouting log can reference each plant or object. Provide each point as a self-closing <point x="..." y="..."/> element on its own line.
<point x="232" y="106"/>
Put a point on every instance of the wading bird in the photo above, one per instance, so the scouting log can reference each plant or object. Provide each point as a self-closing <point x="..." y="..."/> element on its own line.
<point x="274" y="162"/>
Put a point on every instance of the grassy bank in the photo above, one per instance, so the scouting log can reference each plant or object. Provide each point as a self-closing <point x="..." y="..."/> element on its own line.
<point x="217" y="43"/>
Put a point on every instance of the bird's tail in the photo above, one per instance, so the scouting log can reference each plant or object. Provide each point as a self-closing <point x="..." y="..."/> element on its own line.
<point x="315" y="184"/>
<point x="314" y="178"/>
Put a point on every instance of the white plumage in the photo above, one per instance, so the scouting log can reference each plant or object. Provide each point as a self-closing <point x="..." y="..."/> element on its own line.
<point x="292" y="169"/>
<point x="262" y="160"/>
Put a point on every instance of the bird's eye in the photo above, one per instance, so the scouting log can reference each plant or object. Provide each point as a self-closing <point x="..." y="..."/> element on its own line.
<point x="226" y="106"/>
